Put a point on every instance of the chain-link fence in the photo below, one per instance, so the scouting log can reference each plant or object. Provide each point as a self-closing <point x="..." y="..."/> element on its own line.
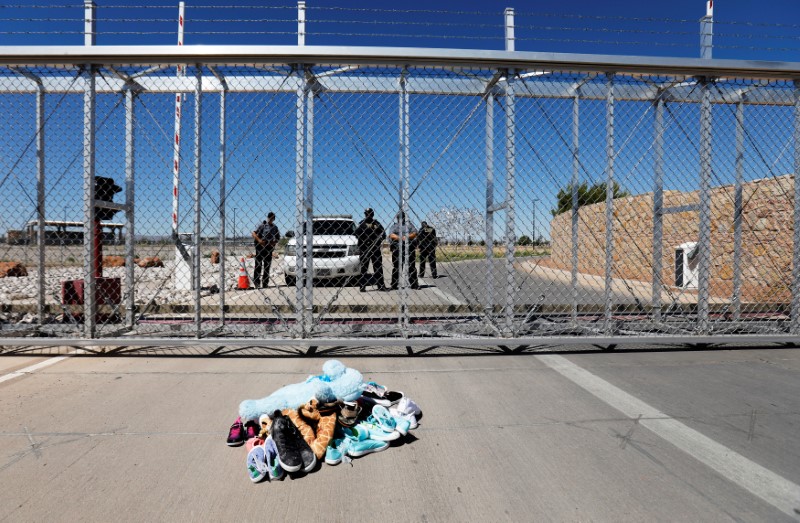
<point x="266" y="201"/>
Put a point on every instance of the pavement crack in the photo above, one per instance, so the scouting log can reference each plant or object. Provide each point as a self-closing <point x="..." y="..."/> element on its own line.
<point x="752" y="430"/>
<point x="624" y="440"/>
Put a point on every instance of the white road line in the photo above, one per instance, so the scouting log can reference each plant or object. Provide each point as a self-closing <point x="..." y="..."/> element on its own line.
<point x="772" y="488"/>
<point x="440" y="293"/>
<point x="31" y="368"/>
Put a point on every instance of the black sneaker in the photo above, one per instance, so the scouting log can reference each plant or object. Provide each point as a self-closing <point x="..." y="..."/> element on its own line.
<point x="288" y="451"/>
<point x="306" y="454"/>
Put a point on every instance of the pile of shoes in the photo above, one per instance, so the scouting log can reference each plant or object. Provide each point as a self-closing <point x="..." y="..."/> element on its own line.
<point x="295" y="440"/>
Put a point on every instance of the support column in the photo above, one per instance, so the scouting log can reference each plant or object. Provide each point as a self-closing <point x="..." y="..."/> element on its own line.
<point x="489" y="305"/>
<point x="658" y="207"/>
<point x="130" y="221"/>
<point x="736" y="299"/>
<point x="404" y="187"/>
<point x="511" y="158"/>
<point x="40" y="196"/>
<point x="90" y="281"/>
<point x="608" y="326"/>
<point x="795" y="318"/>
<point x="198" y="112"/>
<point x="704" y="240"/>
<point x="223" y="193"/>
<point x="576" y="162"/>
<point x="299" y="201"/>
<point x="309" y="208"/>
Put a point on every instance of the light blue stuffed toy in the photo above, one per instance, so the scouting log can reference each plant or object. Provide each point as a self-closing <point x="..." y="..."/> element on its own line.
<point x="336" y="382"/>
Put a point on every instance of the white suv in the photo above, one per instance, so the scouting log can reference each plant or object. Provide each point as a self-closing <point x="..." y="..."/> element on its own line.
<point x="334" y="248"/>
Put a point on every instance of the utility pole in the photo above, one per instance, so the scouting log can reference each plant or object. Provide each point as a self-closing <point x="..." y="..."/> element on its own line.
<point x="533" y="240"/>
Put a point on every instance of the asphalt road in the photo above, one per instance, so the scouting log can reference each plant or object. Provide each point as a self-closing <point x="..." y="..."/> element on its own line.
<point x="636" y="436"/>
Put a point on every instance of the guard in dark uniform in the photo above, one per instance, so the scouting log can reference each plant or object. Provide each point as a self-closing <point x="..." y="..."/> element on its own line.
<point x="370" y="235"/>
<point x="265" y="238"/>
<point x="396" y="245"/>
<point x="426" y="239"/>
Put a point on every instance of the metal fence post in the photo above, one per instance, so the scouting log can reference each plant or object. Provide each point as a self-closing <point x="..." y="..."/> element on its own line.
<point x="130" y="200"/>
<point x="707" y="30"/>
<point x="489" y="225"/>
<point x="299" y="197"/>
<point x="704" y="239"/>
<point x="511" y="158"/>
<point x="89" y="22"/>
<point x="736" y="298"/>
<point x="309" y="207"/>
<point x="90" y="282"/>
<point x="198" y="113"/>
<point x="223" y="137"/>
<point x="40" y="196"/>
<point x="609" y="266"/>
<point x="509" y="28"/>
<point x="658" y="206"/>
<point x="301" y="23"/>
<point x="795" y="317"/>
<point x="404" y="187"/>
<point x="575" y="203"/>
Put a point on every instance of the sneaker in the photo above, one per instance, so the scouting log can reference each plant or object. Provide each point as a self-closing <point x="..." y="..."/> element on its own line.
<point x="357" y="433"/>
<point x="380" y="395"/>
<point x="285" y="443"/>
<point x="403" y="419"/>
<point x="236" y="434"/>
<point x="251" y="429"/>
<point x="407" y="406"/>
<point x="257" y="464"/>
<point x="389" y="420"/>
<point x="407" y="409"/>
<point x="360" y="448"/>
<point x="336" y="450"/>
<point x="377" y="432"/>
<point x="307" y="456"/>
<point x="273" y="465"/>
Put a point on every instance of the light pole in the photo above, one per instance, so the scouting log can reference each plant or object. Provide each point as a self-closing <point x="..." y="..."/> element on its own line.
<point x="533" y="240"/>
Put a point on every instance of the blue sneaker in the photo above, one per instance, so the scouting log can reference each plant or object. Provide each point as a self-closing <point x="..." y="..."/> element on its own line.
<point x="389" y="421"/>
<point x="336" y="450"/>
<point x="257" y="464"/>
<point x="376" y="431"/>
<point x="366" y="446"/>
<point x="273" y="464"/>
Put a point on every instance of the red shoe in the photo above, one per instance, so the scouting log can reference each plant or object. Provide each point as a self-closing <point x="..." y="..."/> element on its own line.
<point x="236" y="434"/>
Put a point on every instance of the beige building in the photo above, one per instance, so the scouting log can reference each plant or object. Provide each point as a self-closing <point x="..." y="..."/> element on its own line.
<point x="766" y="259"/>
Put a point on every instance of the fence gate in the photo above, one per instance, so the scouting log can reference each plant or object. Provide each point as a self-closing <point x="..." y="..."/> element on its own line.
<point x="571" y="200"/>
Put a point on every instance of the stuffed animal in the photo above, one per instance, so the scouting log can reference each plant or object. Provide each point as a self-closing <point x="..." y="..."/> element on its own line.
<point x="336" y="382"/>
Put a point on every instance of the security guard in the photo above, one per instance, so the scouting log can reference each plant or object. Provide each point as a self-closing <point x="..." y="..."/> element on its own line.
<point x="265" y="237"/>
<point x="427" y="242"/>
<point x="370" y="235"/>
<point x="396" y="241"/>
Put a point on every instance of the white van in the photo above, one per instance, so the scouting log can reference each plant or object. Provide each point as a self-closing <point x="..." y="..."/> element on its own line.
<point x="335" y="250"/>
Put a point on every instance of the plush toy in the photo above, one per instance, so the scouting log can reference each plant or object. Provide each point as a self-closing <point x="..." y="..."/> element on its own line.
<point x="336" y="382"/>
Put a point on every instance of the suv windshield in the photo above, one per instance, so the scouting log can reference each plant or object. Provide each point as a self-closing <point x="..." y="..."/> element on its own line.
<point x="333" y="227"/>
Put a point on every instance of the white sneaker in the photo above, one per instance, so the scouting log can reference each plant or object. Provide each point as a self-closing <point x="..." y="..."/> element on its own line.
<point x="408" y="406"/>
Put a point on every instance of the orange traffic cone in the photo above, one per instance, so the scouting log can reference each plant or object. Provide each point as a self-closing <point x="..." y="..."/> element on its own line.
<point x="244" y="281"/>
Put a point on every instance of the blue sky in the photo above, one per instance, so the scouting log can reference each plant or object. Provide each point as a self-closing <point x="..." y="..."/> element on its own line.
<point x="356" y="136"/>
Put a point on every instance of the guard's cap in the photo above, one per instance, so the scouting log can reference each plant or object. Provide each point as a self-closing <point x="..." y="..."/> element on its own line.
<point x="369" y="210"/>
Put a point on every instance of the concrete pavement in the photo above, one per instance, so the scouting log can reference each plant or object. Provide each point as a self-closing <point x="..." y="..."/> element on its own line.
<point x="510" y="438"/>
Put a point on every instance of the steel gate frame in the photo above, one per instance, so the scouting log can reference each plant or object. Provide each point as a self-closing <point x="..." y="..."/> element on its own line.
<point x="504" y="68"/>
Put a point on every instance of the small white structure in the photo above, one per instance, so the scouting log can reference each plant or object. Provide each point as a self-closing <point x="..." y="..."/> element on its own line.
<point x="686" y="265"/>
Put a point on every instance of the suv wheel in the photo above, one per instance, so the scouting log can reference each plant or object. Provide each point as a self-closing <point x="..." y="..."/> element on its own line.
<point x="291" y="281"/>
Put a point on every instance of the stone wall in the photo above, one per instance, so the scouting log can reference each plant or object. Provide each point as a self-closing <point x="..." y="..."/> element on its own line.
<point x="766" y="238"/>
